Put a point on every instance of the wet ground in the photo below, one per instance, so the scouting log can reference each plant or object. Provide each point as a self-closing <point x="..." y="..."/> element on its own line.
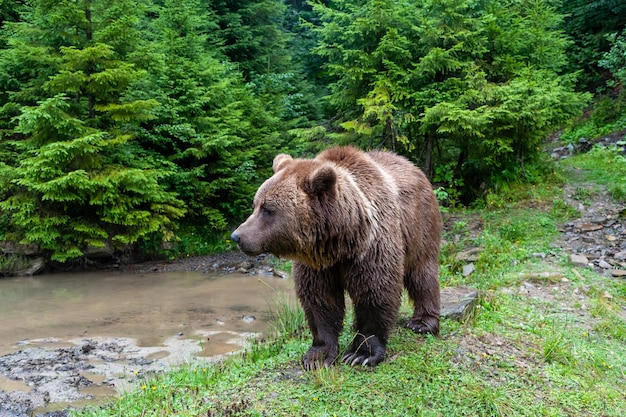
<point x="84" y="337"/>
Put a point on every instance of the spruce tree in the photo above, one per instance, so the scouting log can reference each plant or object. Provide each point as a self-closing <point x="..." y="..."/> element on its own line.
<point x="465" y="88"/>
<point x="210" y="125"/>
<point x="79" y="183"/>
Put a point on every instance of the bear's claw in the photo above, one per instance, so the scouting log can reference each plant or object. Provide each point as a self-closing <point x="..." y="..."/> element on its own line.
<point x="353" y="359"/>
<point x="318" y="357"/>
<point x="423" y="326"/>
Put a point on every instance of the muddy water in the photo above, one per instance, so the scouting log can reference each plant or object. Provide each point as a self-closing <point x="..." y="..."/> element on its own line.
<point x="106" y="325"/>
<point x="150" y="308"/>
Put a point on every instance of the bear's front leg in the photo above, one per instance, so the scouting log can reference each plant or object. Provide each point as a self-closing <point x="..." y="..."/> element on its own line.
<point x="375" y="312"/>
<point x="366" y="351"/>
<point x="322" y="298"/>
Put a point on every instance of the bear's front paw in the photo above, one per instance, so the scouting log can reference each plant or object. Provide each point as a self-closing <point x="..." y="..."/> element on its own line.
<point x="366" y="352"/>
<point x="318" y="357"/>
<point x="424" y="325"/>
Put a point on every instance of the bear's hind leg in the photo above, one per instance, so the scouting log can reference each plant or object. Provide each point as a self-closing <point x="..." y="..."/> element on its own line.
<point x="423" y="288"/>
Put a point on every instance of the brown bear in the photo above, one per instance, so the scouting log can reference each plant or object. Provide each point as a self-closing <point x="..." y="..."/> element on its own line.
<point x="355" y="222"/>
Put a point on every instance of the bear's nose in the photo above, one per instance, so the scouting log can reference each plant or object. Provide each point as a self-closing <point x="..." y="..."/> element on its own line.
<point x="235" y="237"/>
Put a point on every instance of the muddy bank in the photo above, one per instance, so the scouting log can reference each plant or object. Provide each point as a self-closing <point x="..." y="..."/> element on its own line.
<point x="220" y="262"/>
<point x="209" y="306"/>
<point x="45" y="379"/>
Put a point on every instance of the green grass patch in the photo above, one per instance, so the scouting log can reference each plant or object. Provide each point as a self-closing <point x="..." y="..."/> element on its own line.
<point x="603" y="165"/>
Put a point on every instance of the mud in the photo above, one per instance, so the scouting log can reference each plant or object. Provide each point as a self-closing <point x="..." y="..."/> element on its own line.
<point x="200" y="309"/>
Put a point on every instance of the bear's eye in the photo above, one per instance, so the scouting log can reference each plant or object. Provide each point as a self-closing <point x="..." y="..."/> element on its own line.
<point x="266" y="211"/>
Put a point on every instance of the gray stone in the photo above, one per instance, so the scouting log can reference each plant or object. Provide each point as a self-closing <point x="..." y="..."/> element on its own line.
<point x="468" y="269"/>
<point x="618" y="273"/>
<point x="13" y="248"/>
<point x="604" y="265"/>
<point x="105" y="251"/>
<point x="469" y="255"/>
<point x="598" y="219"/>
<point x="35" y="266"/>
<point x="458" y="302"/>
<point x="620" y="256"/>
<point x="248" y="318"/>
<point x="586" y="227"/>
<point x="579" y="260"/>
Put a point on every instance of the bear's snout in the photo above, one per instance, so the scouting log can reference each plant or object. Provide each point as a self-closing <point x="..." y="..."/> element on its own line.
<point x="245" y="240"/>
<point x="235" y="237"/>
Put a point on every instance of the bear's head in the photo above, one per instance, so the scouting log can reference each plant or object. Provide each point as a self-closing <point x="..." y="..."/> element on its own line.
<point x="289" y="210"/>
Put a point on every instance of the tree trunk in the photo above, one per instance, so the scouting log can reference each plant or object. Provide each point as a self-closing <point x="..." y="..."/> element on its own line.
<point x="428" y="156"/>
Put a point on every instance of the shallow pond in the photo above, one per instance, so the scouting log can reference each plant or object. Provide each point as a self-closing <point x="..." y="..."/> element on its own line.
<point x="165" y="318"/>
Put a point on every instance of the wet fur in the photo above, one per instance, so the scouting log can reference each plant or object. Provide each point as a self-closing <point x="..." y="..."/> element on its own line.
<point x="363" y="223"/>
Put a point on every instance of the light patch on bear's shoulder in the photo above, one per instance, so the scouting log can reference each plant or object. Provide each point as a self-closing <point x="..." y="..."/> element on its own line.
<point x="390" y="182"/>
<point x="371" y="210"/>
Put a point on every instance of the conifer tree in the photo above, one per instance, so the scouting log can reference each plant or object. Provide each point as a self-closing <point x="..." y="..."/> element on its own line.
<point x="253" y="35"/>
<point x="469" y="85"/>
<point x="79" y="182"/>
<point x="210" y="124"/>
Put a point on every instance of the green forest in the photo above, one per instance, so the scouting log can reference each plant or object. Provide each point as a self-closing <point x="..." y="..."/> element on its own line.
<point x="142" y="128"/>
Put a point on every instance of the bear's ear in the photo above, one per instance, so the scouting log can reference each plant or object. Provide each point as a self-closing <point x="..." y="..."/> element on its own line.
<point x="280" y="161"/>
<point x="320" y="181"/>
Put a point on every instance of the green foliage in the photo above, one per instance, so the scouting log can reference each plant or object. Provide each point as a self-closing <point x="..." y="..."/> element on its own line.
<point x="477" y="81"/>
<point x="132" y="117"/>
<point x="615" y="59"/>
<point x="70" y="191"/>
<point x="193" y="99"/>
<point x="77" y="183"/>
<point x="591" y="24"/>
<point x="210" y="123"/>
<point x="253" y="35"/>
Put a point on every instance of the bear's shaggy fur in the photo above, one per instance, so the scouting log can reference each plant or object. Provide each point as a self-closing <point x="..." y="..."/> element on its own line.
<point x="362" y="223"/>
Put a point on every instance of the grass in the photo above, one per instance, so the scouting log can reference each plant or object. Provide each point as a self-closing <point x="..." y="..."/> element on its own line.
<point x="545" y="340"/>
<point x="602" y="165"/>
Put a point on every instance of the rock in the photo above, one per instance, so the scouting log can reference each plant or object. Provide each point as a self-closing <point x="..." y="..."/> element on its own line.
<point x="245" y="266"/>
<point x="579" y="260"/>
<point x="468" y="269"/>
<point x="105" y="251"/>
<point x="620" y="256"/>
<point x="458" y="302"/>
<point x="618" y="273"/>
<point x="598" y="219"/>
<point x="34" y="266"/>
<point x="588" y="227"/>
<point x="604" y="265"/>
<point x="469" y="255"/>
<point x="280" y="274"/>
<point x="13" y="248"/>
<point x="248" y="318"/>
